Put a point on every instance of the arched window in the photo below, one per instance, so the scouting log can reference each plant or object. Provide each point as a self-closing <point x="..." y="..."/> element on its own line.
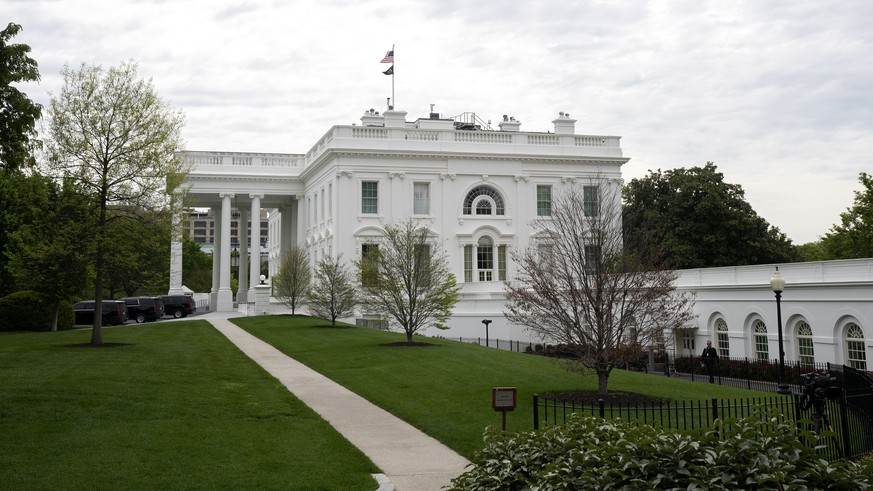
<point x="485" y="200"/>
<point x="762" y="350"/>
<point x="805" y="349"/>
<point x="856" y="355"/>
<point x="724" y="344"/>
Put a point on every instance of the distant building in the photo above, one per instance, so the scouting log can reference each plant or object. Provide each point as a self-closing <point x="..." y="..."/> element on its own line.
<point x="200" y="226"/>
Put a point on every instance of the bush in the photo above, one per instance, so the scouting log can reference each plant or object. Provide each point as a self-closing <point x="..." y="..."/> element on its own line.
<point x="30" y="311"/>
<point x="592" y="453"/>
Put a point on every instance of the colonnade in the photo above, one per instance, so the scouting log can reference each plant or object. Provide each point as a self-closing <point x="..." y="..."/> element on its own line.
<point x="221" y="295"/>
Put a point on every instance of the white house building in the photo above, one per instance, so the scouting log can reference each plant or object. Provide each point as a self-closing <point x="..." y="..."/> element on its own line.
<point x="478" y="190"/>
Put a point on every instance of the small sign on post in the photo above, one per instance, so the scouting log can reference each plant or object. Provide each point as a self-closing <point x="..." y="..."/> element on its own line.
<point x="503" y="400"/>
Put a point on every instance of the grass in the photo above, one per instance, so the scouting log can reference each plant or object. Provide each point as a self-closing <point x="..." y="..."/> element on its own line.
<point x="177" y="407"/>
<point x="445" y="389"/>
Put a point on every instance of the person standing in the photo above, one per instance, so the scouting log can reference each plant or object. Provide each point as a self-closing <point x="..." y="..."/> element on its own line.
<point x="710" y="360"/>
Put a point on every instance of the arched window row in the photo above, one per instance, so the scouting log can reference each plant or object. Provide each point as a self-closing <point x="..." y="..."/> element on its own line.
<point x="852" y="334"/>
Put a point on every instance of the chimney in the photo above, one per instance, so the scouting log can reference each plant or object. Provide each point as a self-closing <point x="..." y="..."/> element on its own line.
<point x="509" y="123"/>
<point x="395" y="119"/>
<point x="371" y="117"/>
<point x="564" y="125"/>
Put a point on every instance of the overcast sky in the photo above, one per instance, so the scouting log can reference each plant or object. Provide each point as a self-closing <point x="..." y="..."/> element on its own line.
<point x="779" y="94"/>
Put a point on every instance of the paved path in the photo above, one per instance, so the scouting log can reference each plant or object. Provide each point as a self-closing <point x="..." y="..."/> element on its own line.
<point x="412" y="460"/>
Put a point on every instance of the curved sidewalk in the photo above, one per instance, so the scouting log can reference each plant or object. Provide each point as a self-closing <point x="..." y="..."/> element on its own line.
<point x="412" y="460"/>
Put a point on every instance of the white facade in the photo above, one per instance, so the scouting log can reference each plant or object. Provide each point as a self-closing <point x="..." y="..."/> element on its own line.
<point x="824" y="307"/>
<point x="335" y="198"/>
<point x="356" y="178"/>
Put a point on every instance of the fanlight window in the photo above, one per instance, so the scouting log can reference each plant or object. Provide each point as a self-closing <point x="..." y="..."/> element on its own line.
<point x="762" y="351"/>
<point x="856" y="353"/>
<point x="805" y="348"/>
<point x="485" y="200"/>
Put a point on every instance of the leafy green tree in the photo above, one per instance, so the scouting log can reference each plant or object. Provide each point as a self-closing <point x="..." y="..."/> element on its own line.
<point x="18" y="114"/>
<point x="52" y="254"/>
<point x="577" y="286"/>
<point x="853" y="236"/>
<point x="112" y="134"/>
<point x="291" y="282"/>
<point x="196" y="266"/>
<point x="332" y="294"/>
<point x="406" y="279"/>
<point x="692" y="218"/>
<point x="137" y="262"/>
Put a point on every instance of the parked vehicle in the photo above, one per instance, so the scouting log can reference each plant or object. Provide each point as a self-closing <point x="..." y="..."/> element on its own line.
<point x="114" y="312"/>
<point x="143" y="309"/>
<point x="179" y="305"/>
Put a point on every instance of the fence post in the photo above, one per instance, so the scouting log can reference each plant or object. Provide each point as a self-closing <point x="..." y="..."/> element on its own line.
<point x="602" y="406"/>
<point x="844" y="422"/>
<point x="536" y="412"/>
<point x="748" y="375"/>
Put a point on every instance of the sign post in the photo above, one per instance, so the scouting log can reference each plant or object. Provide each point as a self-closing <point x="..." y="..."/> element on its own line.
<point x="503" y="400"/>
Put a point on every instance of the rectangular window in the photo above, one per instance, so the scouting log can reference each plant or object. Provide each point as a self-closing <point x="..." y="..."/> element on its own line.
<point x="468" y="264"/>
<point x="723" y="345"/>
<point x="501" y="263"/>
<point x="421" y="263"/>
<point x="688" y="341"/>
<point x="857" y="354"/>
<point x="370" y="197"/>
<point x="421" y="198"/>
<point x="485" y="262"/>
<point x="592" y="258"/>
<point x="544" y="201"/>
<point x="805" y="350"/>
<point x="369" y="264"/>
<point x="762" y="350"/>
<point x="591" y="201"/>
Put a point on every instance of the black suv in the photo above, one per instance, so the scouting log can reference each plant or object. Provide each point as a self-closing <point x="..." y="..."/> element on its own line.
<point x="144" y="309"/>
<point x="178" y="305"/>
<point x="114" y="312"/>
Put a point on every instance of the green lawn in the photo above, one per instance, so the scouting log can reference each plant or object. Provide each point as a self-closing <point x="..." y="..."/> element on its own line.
<point x="445" y="389"/>
<point x="178" y="407"/>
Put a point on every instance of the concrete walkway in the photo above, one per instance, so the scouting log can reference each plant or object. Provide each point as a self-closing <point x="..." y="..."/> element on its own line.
<point x="411" y="460"/>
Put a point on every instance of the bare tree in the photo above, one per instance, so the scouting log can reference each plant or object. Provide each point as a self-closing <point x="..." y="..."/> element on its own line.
<point x="578" y="286"/>
<point x="291" y="282"/>
<point x="333" y="295"/>
<point x="406" y="279"/>
<point x="113" y="136"/>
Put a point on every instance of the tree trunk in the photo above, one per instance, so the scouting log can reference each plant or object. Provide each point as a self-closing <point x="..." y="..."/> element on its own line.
<point x="55" y="317"/>
<point x="602" y="381"/>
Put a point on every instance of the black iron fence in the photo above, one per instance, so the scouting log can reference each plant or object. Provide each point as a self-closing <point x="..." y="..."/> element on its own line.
<point x="507" y="345"/>
<point x="743" y="372"/>
<point x="842" y="426"/>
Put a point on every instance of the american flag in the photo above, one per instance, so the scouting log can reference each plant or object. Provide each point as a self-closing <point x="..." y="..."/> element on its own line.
<point x="389" y="57"/>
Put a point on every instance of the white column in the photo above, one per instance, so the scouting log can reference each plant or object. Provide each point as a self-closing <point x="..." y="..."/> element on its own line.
<point x="225" y="294"/>
<point x="255" y="264"/>
<point x="286" y="228"/>
<point x="216" y="256"/>
<point x="243" y="292"/>
<point x="176" y="256"/>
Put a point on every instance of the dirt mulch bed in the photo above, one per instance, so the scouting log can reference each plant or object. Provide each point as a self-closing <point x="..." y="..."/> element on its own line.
<point x="104" y="345"/>
<point x="414" y="343"/>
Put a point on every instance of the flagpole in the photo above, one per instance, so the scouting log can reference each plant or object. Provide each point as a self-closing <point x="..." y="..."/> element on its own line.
<point x="392" y="76"/>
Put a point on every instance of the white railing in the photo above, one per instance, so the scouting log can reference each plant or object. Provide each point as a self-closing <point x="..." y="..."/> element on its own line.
<point x="234" y="159"/>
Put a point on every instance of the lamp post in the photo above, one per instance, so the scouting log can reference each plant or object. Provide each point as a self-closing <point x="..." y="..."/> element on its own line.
<point x="777" y="283"/>
<point x="486" y="322"/>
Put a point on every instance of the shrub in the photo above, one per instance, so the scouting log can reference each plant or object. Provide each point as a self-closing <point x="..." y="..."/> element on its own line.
<point x="591" y="453"/>
<point x="30" y="311"/>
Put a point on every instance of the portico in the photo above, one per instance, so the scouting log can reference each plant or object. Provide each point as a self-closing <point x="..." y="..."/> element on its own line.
<point x="224" y="181"/>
